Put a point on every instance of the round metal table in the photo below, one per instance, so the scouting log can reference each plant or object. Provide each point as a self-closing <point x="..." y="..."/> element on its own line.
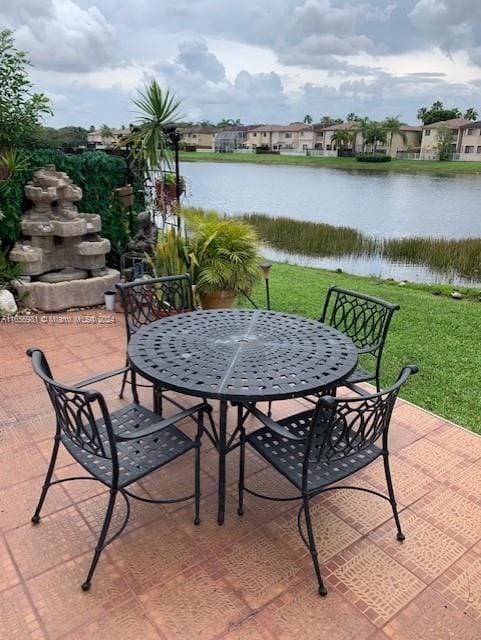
<point x="241" y="355"/>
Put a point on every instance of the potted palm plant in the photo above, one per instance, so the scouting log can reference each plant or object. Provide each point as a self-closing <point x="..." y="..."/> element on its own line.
<point x="224" y="257"/>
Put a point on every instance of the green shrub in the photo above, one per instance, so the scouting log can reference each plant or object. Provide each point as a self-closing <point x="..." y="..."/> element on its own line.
<point x="369" y="157"/>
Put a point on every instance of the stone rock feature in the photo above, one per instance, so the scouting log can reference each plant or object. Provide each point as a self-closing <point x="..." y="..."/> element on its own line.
<point x="61" y="248"/>
<point x="8" y="306"/>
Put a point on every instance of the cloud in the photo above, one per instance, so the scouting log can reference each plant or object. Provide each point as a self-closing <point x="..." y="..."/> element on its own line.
<point x="61" y="36"/>
<point x="195" y="57"/>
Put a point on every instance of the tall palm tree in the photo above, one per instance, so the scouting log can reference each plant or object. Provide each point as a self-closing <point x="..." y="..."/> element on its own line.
<point x="470" y="114"/>
<point x="372" y="133"/>
<point x="340" y="138"/>
<point x="392" y="127"/>
<point x="106" y="133"/>
<point x="156" y="108"/>
<point x="307" y="119"/>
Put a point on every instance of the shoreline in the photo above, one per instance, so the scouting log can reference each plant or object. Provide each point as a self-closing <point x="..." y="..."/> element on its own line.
<point x="433" y="167"/>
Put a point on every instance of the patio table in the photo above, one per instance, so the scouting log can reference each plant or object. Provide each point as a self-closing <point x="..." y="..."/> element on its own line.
<point x="239" y="356"/>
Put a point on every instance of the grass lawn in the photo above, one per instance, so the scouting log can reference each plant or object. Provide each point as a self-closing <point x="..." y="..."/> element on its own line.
<point x="407" y="166"/>
<point x="435" y="332"/>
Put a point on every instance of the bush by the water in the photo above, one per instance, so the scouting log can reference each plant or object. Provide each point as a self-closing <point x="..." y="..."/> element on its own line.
<point x="96" y="172"/>
<point x="369" y="157"/>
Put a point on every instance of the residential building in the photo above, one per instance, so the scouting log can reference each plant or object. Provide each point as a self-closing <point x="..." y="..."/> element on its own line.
<point x="470" y="143"/>
<point x="280" y="137"/>
<point x="231" y="139"/>
<point x="95" y="138"/>
<point x="198" y="138"/>
<point x="430" y="140"/>
<point x="408" y="140"/>
<point x="325" y="134"/>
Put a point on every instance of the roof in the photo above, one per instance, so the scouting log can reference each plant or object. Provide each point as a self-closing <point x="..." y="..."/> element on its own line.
<point x="454" y="123"/>
<point x="343" y="125"/>
<point x="283" y="127"/>
<point x="473" y="125"/>
<point x="198" y="129"/>
<point x="411" y="127"/>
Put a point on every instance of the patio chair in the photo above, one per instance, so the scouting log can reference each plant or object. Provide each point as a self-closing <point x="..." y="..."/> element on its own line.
<point x="365" y="320"/>
<point x="117" y="448"/>
<point x="145" y="301"/>
<point x="319" y="447"/>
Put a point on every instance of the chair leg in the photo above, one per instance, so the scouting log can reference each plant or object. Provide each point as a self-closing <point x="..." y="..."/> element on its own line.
<point x="48" y="478"/>
<point x="242" y="464"/>
<point x="135" y="395"/>
<point x="124" y="381"/>
<point x="198" y="440"/>
<point x="312" y="546"/>
<point x="392" y="499"/>
<point x="101" y="543"/>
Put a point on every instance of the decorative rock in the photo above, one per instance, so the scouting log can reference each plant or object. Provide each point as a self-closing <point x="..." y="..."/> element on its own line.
<point x="8" y="306"/>
<point x="457" y="295"/>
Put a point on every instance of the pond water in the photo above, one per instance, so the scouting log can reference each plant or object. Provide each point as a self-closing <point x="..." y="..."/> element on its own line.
<point x="382" y="205"/>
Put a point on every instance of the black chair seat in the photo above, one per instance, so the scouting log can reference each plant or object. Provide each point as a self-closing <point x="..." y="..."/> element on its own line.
<point x="136" y="458"/>
<point x="287" y="456"/>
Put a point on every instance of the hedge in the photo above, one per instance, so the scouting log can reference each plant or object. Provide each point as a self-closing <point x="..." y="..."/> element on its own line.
<point x="96" y="172"/>
<point x="368" y="157"/>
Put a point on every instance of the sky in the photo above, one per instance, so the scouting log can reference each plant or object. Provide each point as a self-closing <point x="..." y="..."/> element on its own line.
<point x="262" y="61"/>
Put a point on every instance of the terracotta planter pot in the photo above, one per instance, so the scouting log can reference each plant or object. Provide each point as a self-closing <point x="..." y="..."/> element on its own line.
<point x="126" y="195"/>
<point x="5" y="173"/>
<point x="218" y="300"/>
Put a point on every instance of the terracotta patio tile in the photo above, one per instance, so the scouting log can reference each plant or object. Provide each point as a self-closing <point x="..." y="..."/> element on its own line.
<point x="431" y="617"/>
<point x="332" y="534"/>
<point x="209" y="535"/>
<point x="258" y="567"/>
<point x="19" y="464"/>
<point x="362" y="511"/>
<point x="79" y="490"/>
<point x="17" y="503"/>
<point x="460" y="441"/>
<point x="210" y="464"/>
<point x="430" y="458"/>
<point x="17" y="618"/>
<point x="153" y="553"/>
<point x="61" y="603"/>
<point x="427" y="551"/>
<point x="400" y="436"/>
<point x="198" y="604"/>
<point x="373" y="581"/>
<point x="57" y="538"/>
<point x="419" y="421"/>
<point x="63" y="458"/>
<point x="461" y="585"/>
<point x="466" y="480"/>
<point x="409" y="483"/>
<point x="454" y="514"/>
<point x="301" y="613"/>
<point x="28" y="404"/>
<point x="251" y="629"/>
<point x="128" y="622"/>
<point x="8" y="574"/>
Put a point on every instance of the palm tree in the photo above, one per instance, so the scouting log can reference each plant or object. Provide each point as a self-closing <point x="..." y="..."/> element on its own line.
<point x="392" y="127"/>
<point x="421" y="114"/>
<point x="307" y="119"/>
<point x="156" y="108"/>
<point x="351" y="117"/>
<point x="340" y="138"/>
<point x="372" y="133"/>
<point x="106" y="133"/>
<point x="470" y="114"/>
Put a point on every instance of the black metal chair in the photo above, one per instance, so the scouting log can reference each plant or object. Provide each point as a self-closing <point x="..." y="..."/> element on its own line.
<point x="145" y="301"/>
<point x="317" y="448"/>
<point x="365" y="320"/>
<point x="116" y="448"/>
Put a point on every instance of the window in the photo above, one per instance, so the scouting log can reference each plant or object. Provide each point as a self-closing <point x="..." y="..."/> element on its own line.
<point x="469" y="149"/>
<point x="427" y="132"/>
<point x="194" y="135"/>
<point x="478" y="150"/>
<point x="265" y="135"/>
<point x="328" y="147"/>
<point x="255" y="135"/>
<point x="288" y="135"/>
<point x="470" y="132"/>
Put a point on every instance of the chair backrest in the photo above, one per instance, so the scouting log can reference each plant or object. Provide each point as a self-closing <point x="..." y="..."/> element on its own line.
<point x="362" y="318"/>
<point x="82" y="415"/>
<point x="145" y="301"/>
<point x="343" y="427"/>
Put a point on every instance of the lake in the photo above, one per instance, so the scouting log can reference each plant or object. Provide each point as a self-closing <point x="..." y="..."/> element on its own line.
<point x="379" y="204"/>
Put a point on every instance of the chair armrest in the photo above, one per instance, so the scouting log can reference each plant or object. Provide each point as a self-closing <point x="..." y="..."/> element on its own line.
<point x="100" y="377"/>
<point x="164" y="423"/>
<point x="272" y="424"/>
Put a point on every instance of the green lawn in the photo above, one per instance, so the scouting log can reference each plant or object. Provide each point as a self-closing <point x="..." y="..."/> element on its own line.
<point x="439" y="334"/>
<point x="408" y="166"/>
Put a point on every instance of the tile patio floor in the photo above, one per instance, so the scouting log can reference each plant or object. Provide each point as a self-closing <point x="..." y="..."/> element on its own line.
<point x="251" y="579"/>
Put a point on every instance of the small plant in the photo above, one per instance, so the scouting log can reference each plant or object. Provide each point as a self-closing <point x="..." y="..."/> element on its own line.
<point x="8" y="270"/>
<point x="369" y="157"/>
<point x="223" y="253"/>
<point x="11" y="161"/>
<point x="171" y="255"/>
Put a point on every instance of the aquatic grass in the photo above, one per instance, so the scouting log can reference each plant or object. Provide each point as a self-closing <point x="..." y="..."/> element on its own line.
<point x="460" y="256"/>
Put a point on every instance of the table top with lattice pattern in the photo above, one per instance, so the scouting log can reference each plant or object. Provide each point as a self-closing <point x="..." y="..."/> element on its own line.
<point x="241" y="354"/>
